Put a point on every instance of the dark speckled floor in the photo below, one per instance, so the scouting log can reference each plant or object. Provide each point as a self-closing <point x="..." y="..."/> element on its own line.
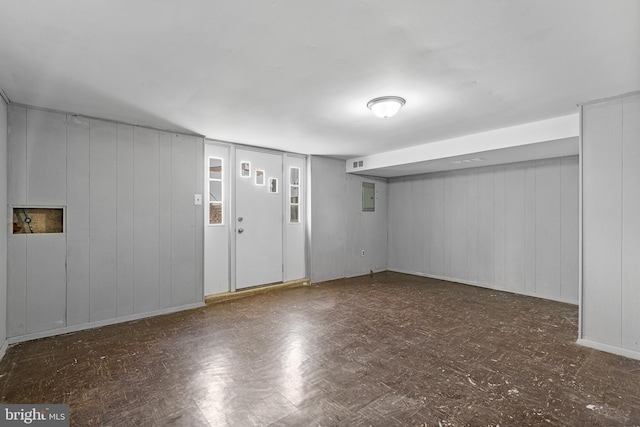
<point x="385" y="350"/>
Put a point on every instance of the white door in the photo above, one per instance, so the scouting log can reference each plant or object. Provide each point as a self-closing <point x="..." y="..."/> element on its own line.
<point x="258" y="218"/>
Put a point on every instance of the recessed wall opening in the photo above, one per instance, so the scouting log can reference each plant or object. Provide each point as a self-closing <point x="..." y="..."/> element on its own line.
<point x="29" y="220"/>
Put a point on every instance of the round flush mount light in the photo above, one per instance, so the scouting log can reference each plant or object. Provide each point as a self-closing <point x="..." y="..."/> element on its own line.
<point x="386" y="106"/>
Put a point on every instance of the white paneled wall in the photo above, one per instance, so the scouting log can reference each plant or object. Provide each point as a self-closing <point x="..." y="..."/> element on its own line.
<point x="610" y="317"/>
<point x="511" y="227"/>
<point x="328" y="213"/>
<point x="133" y="236"/>
<point x="77" y="214"/>
<point x="340" y="231"/>
<point x="36" y="148"/>
<point x="3" y="231"/>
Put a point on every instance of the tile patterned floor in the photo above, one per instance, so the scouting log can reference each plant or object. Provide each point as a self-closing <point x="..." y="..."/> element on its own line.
<point x="386" y="350"/>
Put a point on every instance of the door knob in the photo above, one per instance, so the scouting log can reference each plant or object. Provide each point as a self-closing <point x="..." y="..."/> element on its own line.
<point x="240" y="230"/>
<point x="240" y="219"/>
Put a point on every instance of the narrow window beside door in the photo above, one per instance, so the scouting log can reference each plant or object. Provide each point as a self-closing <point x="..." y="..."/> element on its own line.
<point x="294" y="195"/>
<point x="215" y="191"/>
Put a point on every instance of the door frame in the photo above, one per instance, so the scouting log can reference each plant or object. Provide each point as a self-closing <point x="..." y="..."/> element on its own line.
<point x="230" y="211"/>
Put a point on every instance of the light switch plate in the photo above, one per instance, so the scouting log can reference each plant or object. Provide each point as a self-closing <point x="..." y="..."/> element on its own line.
<point x="198" y="199"/>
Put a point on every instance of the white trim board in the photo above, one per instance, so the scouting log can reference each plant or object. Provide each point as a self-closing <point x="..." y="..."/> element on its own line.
<point x="107" y="322"/>
<point x="555" y="137"/>
<point x="609" y="348"/>
<point x="482" y="285"/>
<point x="3" y="349"/>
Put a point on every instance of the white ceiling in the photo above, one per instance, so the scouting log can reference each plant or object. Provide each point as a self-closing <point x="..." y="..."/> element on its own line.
<point x="296" y="75"/>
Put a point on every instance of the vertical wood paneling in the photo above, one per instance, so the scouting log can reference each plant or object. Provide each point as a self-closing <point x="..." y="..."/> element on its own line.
<point x="379" y="243"/>
<point x="165" y="213"/>
<point x="602" y="222"/>
<point x="548" y="227"/>
<point x="631" y="223"/>
<point x="77" y="220"/>
<point x="328" y="234"/>
<point x="124" y="219"/>
<point x="396" y="198"/>
<point x="473" y="216"/>
<point x="486" y="235"/>
<point x="459" y="212"/>
<point x="198" y="169"/>
<point x="183" y="227"/>
<point x="425" y="228"/>
<point x="103" y="228"/>
<point x="437" y="229"/>
<point x="145" y="216"/>
<point x="530" y="228"/>
<point x="514" y="227"/>
<point x="569" y="229"/>
<point x="395" y="219"/>
<point x="357" y="222"/>
<point x="107" y="263"/>
<point x="46" y="158"/>
<point x="17" y="155"/>
<point x="4" y="231"/>
<point x="419" y="216"/>
<point x="46" y="282"/>
<point x="447" y="235"/>
<point x="339" y="228"/>
<point x="416" y="216"/>
<point x="16" y="285"/>
<point x="499" y="232"/>
<point x="491" y="233"/>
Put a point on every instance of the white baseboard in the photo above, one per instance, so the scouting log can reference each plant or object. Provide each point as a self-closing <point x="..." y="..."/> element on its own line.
<point x="485" y="285"/>
<point x="3" y="349"/>
<point x="631" y="354"/>
<point x="107" y="322"/>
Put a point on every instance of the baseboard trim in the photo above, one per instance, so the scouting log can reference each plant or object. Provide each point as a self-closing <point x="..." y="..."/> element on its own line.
<point x="101" y="323"/>
<point x="631" y="354"/>
<point x="226" y="296"/>
<point x="3" y="349"/>
<point x="484" y="285"/>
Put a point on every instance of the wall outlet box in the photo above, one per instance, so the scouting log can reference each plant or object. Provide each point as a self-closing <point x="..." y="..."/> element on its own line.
<point x="198" y="199"/>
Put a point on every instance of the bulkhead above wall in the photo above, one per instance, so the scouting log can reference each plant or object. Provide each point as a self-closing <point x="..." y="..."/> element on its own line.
<point x="557" y="137"/>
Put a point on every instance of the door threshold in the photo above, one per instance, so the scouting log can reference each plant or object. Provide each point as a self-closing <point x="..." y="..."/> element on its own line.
<point x="226" y="296"/>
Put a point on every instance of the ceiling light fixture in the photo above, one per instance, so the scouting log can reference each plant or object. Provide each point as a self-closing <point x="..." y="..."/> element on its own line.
<point x="386" y="106"/>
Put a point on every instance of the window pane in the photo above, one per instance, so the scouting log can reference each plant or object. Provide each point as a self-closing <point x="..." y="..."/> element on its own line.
<point x="294" y="214"/>
<point x="259" y="177"/>
<point x="215" y="213"/>
<point x="215" y="191"/>
<point x="245" y="169"/>
<point x="294" y="176"/>
<point x="294" y="194"/>
<point x="273" y="185"/>
<point x="215" y="168"/>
